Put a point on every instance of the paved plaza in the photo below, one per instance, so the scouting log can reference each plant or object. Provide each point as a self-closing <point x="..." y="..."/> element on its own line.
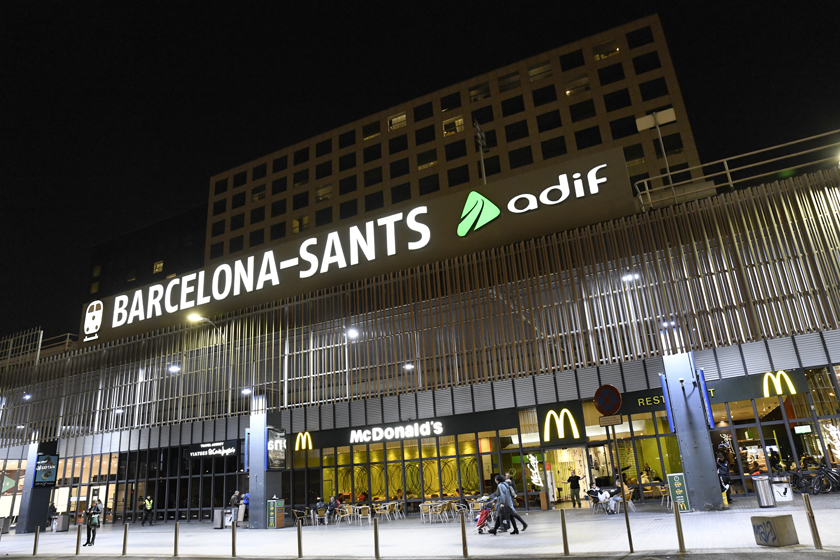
<point x="653" y="531"/>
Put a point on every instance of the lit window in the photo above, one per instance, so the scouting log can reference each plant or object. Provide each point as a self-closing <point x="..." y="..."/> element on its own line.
<point x="173" y="275"/>
<point x="539" y="72"/>
<point x="97" y="270"/>
<point x="158" y="267"/>
<point x="509" y="82"/>
<point x="324" y="193"/>
<point x="396" y="121"/>
<point x="426" y="159"/>
<point x="370" y="130"/>
<point x="577" y="85"/>
<point x="94" y="287"/>
<point x="479" y="92"/>
<point x="300" y="224"/>
<point x="258" y="193"/>
<point x="132" y="276"/>
<point x="453" y="126"/>
<point x="605" y="49"/>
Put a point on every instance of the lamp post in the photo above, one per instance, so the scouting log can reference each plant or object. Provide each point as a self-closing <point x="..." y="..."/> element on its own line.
<point x="656" y="119"/>
<point x="481" y="140"/>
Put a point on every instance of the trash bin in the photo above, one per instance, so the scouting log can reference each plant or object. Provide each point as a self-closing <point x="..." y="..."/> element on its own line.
<point x="5" y="524"/>
<point x="219" y="518"/>
<point x="764" y="491"/>
<point x="61" y="522"/>
<point x="781" y="489"/>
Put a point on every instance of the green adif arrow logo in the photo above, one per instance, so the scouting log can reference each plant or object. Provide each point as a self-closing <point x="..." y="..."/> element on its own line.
<point x="478" y="211"/>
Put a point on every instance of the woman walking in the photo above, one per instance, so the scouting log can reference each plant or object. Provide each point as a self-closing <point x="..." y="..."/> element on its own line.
<point x="504" y="505"/>
<point x="92" y="520"/>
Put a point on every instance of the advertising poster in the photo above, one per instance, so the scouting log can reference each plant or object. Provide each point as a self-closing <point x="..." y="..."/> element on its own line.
<point x="276" y="448"/>
<point x="46" y="469"/>
<point x="679" y="492"/>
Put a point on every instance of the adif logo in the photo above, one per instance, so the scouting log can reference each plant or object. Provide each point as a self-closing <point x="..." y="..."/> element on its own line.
<point x="478" y="211"/>
<point x="777" y="382"/>
<point x="559" y="424"/>
<point x="556" y="194"/>
<point x="93" y="320"/>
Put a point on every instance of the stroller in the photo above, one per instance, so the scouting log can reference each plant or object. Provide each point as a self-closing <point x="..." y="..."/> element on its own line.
<point x="484" y="521"/>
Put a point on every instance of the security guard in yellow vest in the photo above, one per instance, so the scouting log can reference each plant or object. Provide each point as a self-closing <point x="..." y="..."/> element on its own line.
<point x="147" y="511"/>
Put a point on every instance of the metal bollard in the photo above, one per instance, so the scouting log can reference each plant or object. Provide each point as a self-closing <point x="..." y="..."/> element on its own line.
<point x="233" y="538"/>
<point x="176" y="539"/>
<point x="78" y="538"/>
<point x="565" y="534"/>
<point x="679" y="527"/>
<point x="300" y="538"/>
<point x="125" y="540"/>
<point x="376" y="538"/>
<point x="812" y="521"/>
<point x="37" y="535"/>
<point x="464" y="534"/>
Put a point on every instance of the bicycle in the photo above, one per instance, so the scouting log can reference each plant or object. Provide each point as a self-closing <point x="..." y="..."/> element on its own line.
<point x="825" y="480"/>
<point x="800" y="482"/>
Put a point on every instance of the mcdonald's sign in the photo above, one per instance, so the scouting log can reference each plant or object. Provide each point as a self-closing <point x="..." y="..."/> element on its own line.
<point x="303" y="441"/>
<point x="778" y="378"/>
<point x="559" y="423"/>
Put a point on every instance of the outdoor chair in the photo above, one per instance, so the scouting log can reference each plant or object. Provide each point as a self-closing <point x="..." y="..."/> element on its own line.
<point x="344" y="512"/>
<point x="382" y="510"/>
<point x="300" y="516"/>
<point x="364" y="511"/>
<point x="425" y="513"/>
<point x="321" y="515"/>
<point x="399" y="509"/>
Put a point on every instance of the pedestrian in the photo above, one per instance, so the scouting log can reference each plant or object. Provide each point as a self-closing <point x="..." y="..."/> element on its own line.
<point x="510" y="482"/>
<point x="147" y="512"/>
<point x="92" y="521"/>
<point x="723" y="473"/>
<point x="52" y="513"/>
<point x="246" y="500"/>
<point x="234" y="500"/>
<point x="504" y="505"/>
<point x="574" y="488"/>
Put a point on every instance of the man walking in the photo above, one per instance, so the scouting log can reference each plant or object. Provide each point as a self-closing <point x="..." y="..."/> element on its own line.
<point x="574" y="488"/>
<point x="504" y="505"/>
<point x="147" y="512"/>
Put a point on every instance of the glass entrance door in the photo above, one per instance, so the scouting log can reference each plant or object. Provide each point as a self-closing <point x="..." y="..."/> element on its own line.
<point x="558" y="468"/>
<point x="600" y="466"/>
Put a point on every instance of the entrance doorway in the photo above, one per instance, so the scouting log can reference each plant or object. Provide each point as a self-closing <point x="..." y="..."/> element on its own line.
<point x="592" y="464"/>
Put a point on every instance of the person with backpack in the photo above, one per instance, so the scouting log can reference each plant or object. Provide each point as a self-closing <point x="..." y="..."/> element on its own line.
<point x="147" y="512"/>
<point x="504" y="505"/>
<point x="723" y="473"/>
<point x="92" y="521"/>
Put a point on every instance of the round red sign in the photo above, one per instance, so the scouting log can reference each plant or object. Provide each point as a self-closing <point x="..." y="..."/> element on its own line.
<point x="607" y="400"/>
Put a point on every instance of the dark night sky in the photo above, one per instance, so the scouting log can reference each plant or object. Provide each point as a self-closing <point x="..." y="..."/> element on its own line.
<point x="115" y="114"/>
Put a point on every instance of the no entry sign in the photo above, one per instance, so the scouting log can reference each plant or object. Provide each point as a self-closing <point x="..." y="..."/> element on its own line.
<point x="607" y="400"/>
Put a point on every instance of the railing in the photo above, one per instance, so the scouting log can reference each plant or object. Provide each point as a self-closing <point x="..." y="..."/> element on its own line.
<point x="806" y="154"/>
<point x="58" y="344"/>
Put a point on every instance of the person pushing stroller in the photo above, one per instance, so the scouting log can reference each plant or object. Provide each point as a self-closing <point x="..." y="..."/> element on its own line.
<point x="504" y="505"/>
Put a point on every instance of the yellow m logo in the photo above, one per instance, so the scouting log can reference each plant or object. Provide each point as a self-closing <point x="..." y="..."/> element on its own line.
<point x="303" y="441"/>
<point x="558" y="422"/>
<point x="777" y="382"/>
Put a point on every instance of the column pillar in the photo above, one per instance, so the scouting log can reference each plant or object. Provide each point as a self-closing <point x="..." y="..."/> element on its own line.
<point x="34" y="502"/>
<point x="256" y="465"/>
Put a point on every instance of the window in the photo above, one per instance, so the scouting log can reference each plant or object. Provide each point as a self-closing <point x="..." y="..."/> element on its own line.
<point x="236" y="244"/>
<point x="258" y="172"/>
<point x="509" y="82"/>
<point x="610" y="74"/>
<point x="396" y="121"/>
<point x="449" y="102"/>
<point x="219" y="207"/>
<point x="516" y="131"/>
<point x="323" y="147"/>
<point x="278" y="231"/>
<point x="374" y="201"/>
<point x="673" y="145"/>
<point x="587" y="137"/>
<point x="426" y="159"/>
<point x="582" y="111"/>
<point x="636" y="178"/>
<point x="676" y="177"/>
<point x="240" y="179"/>
<point x="491" y="166"/>
<point x="544" y="95"/>
<point x="348" y="209"/>
<point x="398" y="144"/>
<point x="278" y="208"/>
<point x="483" y="115"/>
<point x="323" y="217"/>
<point x="653" y="89"/>
<point x="256" y="237"/>
<point x="94" y="287"/>
<point x="428" y="185"/>
<point x="634" y="155"/>
<point x="372" y="153"/>
<point x="280" y="164"/>
<point x="400" y="193"/>
<point x="258" y="193"/>
<point x="490" y="139"/>
<point x="458" y="175"/>
<point x="323" y="169"/>
<point x="621" y="128"/>
<point x="300" y="200"/>
<point x="237" y="222"/>
<point x="549" y="121"/>
<point x="221" y="186"/>
<point x="453" y="126"/>
<point x="423" y="112"/>
<point x="513" y="106"/>
<point x="605" y="49"/>
<point x="97" y="270"/>
<point x="553" y="147"/>
<point x="539" y="71"/>
<point x="347" y="161"/>
<point x="455" y="150"/>
<point x="639" y="37"/>
<point x="158" y="267"/>
<point x="300" y="178"/>
<point x="424" y="135"/>
<point x="217" y="250"/>
<point x="617" y="100"/>
<point x="479" y="92"/>
<point x="301" y="156"/>
<point x="278" y="186"/>
<point x="373" y="176"/>
<point x="646" y="62"/>
<point x="300" y="224"/>
<point x="347" y="185"/>
<point x="370" y="130"/>
<point x="217" y="229"/>
<point x="237" y="200"/>
<point x="571" y="60"/>
<point x="324" y="193"/>
<point x="520" y="157"/>
<point x="257" y="215"/>
<point x="577" y="85"/>
<point x="399" y="168"/>
<point x="346" y="139"/>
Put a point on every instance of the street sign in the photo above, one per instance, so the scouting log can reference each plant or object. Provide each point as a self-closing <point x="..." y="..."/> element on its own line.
<point x="679" y="491"/>
<point x="607" y="400"/>
<point x="610" y="420"/>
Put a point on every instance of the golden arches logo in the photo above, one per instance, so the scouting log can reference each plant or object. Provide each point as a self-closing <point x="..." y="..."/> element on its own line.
<point x="303" y="441"/>
<point x="777" y="378"/>
<point x="558" y="422"/>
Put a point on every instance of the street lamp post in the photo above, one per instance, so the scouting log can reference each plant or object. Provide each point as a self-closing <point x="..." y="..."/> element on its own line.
<point x="656" y="119"/>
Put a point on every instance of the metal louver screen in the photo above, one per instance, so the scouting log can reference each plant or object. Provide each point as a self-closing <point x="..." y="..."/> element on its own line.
<point x="483" y="397"/>
<point x="832" y="341"/>
<point x="164" y="438"/>
<point x="342" y="415"/>
<point x="390" y="409"/>
<point x="232" y="430"/>
<point x="357" y="413"/>
<point x="611" y="375"/>
<point x="443" y="402"/>
<point x="503" y="393"/>
<point x="783" y="353"/>
<point x="374" y="411"/>
<point x="634" y="376"/>
<point x="524" y="387"/>
<point x="408" y="407"/>
<point x="756" y="357"/>
<point x="327" y="417"/>
<point x="566" y="386"/>
<point x="462" y="399"/>
<point x="811" y="350"/>
<point x="654" y="366"/>
<point x="729" y="360"/>
<point x="425" y="405"/>
<point x="298" y="424"/>
<point x="588" y="382"/>
<point x="545" y="389"/>
<point x="313" y="418"/>
<point x="705" y="360"/>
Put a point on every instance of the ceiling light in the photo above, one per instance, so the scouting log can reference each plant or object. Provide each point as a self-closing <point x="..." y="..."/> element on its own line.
<point x="174" y="368"/>
<point x="352" y="333"/>
<point x="20" y="427"/>
<point x="118" y="411"/>
<point x="26" y="396"/>
<point x="408" y="366"/>
<point x="246" y="391"/>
